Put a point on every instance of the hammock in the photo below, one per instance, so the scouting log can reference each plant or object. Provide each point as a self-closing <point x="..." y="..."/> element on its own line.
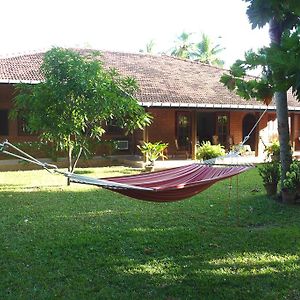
<point x="161" y="186"/>
<point x="165" y="186"/>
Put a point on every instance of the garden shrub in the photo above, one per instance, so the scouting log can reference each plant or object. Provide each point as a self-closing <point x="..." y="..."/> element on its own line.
<point x="207" y="151"/>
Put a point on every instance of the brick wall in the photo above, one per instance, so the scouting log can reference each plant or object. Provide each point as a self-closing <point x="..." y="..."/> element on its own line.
<point x="235" y="126"/>
<point x="163" y="127"/>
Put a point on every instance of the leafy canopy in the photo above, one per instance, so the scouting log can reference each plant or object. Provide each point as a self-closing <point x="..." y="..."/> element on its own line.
<point x="276" y="62"/>
<point x="77" y="98"/>
<point x="204" y="51"/>
<point x="260" y="12"/>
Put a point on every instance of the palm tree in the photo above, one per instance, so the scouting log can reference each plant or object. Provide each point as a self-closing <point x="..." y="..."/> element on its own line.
<point x="149" y="47"/>
<point x="183" y="47"/>
<point x="207" y="53"/>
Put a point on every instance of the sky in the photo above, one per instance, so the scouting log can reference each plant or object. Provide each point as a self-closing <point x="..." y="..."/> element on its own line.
<point x="125" y="25"/>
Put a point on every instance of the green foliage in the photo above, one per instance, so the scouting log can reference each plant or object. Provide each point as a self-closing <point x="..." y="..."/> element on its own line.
<point x="280" y="63"/>
<point x="204" y="51"/>
<point x="153" y="150"/>
<point x="260" y="12"/>
<point x="183" y="47"/>
<point x="269" y="172"/>
<point x="76" y="99"/>
<point x="273" y="150"/>
<point x="292" y="178"/>
<point x="207" y="151"/>
<point x="149" y="47"/>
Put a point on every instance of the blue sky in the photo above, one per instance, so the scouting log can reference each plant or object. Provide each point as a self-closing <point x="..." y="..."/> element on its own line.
<point x="125" y="25"/>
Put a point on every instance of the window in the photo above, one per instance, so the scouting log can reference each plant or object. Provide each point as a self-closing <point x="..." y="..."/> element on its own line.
<point x="222" y="129"/>
<point x="113" y="128"/>
<point x="3" y="122"/>
<point x="183" y="130"/>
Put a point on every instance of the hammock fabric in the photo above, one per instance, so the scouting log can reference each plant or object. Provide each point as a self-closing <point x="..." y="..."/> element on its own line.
<point x="167" y="185"/>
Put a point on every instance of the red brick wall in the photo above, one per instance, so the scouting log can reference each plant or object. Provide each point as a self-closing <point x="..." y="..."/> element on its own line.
<point x="163" y="127"/>
<point x="297" y="132"/>
<point x="236" y="125"/>
<point x="6" y="102"/>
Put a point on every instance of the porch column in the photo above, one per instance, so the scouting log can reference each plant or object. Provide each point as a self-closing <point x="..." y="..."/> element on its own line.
<point x="194" y="134"/>
<point x="146" y="139"/>
<point x="292" y="131"/>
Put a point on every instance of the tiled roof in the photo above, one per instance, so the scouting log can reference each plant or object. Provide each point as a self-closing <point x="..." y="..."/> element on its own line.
<point x="24" y="68"/>
<point x="163" y="80"/>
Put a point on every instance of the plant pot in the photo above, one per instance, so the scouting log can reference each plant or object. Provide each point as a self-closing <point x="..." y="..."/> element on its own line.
<point x="271" y="188"/>
<point x="298" y="189"/>
<point x="275" y="157"/>
<point x="149" y="168"/>
<point x="288" y="197"/>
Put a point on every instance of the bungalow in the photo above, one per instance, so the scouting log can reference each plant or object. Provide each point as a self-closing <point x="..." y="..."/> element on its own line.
<point x="186" y="99"/>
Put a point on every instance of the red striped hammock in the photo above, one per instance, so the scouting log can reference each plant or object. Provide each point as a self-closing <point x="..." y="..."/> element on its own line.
<point x="167" y="185"/>
<point x="162" y="186"/>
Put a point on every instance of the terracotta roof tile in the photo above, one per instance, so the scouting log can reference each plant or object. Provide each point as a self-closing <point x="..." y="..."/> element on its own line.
<point x="162" y="79"/>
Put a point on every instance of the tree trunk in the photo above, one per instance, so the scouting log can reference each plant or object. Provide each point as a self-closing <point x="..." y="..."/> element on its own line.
<point x="77" y="159"/>
<point x="69" y="163"/>
<point x="283" y="132"/>
<point x="275" y="33"/>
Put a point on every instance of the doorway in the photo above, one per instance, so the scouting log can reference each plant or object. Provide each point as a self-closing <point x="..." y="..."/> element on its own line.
<point x="183" y="130"/>
<point x="206" y="126"/>
<point x="248" y="123"/>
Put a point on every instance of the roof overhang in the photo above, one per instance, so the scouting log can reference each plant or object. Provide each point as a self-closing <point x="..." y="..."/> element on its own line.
<point x="213" y="106"/>
<point x="179" y="104"/>
<point x="13" y="81"/>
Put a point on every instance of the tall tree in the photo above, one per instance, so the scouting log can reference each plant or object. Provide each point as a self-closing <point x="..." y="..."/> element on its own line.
<point x="149" y="47"/>
<point x="183" y="46"/>
<point x="280" y="63"/>
<point x="76" y="99"/>
<point x="205" y="51"/>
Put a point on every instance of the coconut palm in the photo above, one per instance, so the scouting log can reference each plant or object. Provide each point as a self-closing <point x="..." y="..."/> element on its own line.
<point x="149" y="47"/>
<point x="183" y="47"/>
<point x="206" y="52"/>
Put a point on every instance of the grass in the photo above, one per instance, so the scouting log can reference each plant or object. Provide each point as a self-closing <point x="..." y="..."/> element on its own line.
<point x="82" y="242"/>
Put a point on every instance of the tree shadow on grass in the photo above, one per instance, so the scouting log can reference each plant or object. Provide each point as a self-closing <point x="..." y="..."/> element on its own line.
<point x="99" y="244"/>
<point x="83" y="171"/>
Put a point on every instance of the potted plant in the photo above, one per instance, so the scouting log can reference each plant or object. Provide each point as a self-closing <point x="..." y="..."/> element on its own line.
<point x="152" y="151"/>
<point x="291" y="183"/>
<point x="270" y="174"/>
<point x="208" y="151"/>
<point x="273" y="151"/>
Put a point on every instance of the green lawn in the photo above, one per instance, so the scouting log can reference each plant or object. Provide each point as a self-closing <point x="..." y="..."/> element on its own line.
<point x="82" y="242"/>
